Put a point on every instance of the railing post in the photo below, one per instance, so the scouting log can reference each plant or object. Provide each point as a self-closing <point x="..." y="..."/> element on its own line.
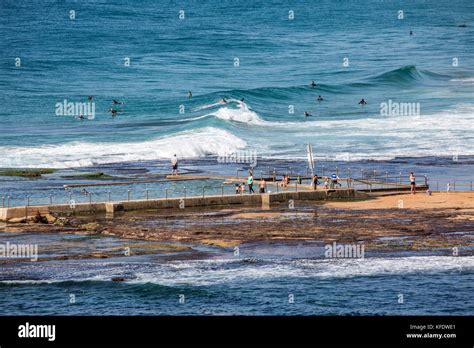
<point x="8" y="202"/>
<point x="203" y="192"/>
<point x="400" y="179"/>
<point x="184" y="192"/>
<point x="322" y="167"/>
<point x="296" y="186"/>
<point x="90" y="197"/>
<point x="471" y="185"/>
<point x="108" y="195"/>
<point x="128" y="195"/>
<point x="349" y="172"/>
<point x="337" y="171"/>
<point x="166" y="194"/>
<point x="27" y="201"/>
<point x="454" y="184"/>
<point x="222" y="189"/>
<point x="146" y="194"/>
<point x="50" y="199"/>
<point x="3" y="201"/>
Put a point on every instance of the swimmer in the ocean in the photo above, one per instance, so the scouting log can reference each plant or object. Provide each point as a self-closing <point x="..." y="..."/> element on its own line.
<point x="117" y="102"/>
<point x="80" y="117"/>
<point x="306" y="114"/>
<point x="223" y="101"/>
<point x="190" y="94"/>
<point x="113" y="111"/>
<point x="313" y="84"/>
<point x="411" y="32"/>
<point x="320" y="98"/>
<point x="242" y="99"/>
<point x="89" y="98"/>
<point x="362" y="102"/>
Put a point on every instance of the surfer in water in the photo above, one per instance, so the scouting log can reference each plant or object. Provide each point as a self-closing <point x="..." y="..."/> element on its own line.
<point x="363" y="102"/>
<point x="115" y="102"/>
<point x="113" y="111"/>
<point x="89" y="98"/>
<point x="306" y="114"/>
<point x="313" y="84"/>
<point x="190" y="94"/>
<point x="320" y="99"/>
<point x="223" y="101"/>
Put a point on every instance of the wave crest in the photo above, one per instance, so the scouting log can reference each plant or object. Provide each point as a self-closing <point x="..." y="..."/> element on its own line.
<point x="200" y="142"/>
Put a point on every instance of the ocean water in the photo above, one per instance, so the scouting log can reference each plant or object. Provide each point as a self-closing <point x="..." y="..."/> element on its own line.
<point x="65" y="59"/>
<point x="276" y="278"/>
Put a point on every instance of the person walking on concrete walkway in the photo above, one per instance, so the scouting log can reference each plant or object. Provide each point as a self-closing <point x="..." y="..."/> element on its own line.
<point x="250" y="184"/>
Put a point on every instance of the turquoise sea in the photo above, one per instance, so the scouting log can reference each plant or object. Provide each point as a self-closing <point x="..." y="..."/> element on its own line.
<point x="266" y="53"/>
<point x="278" y="57"/>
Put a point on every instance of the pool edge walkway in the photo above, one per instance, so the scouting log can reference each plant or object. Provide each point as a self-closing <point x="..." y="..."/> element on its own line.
<point x="15" y="214"/>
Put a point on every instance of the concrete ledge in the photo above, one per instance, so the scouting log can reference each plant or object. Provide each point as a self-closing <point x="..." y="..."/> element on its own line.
<point x="265" y="200"/>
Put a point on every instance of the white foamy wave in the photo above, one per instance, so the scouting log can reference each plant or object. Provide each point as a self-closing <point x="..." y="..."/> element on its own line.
<point x="466" y="80"/>
<point x="210" y="272"/>
<point x="222" y="271"/>
<point x="241" y="114"/>
<point x="190" y="144"/>
<point x="444" y="133"/>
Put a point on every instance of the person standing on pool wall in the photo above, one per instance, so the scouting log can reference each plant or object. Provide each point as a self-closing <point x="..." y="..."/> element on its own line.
<point x="250" y="184"/>
<point x="262" y="185"/>
<point x="315" y="182"/>
<point x="174" y="164"/>
<point x="412" y="183"/>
